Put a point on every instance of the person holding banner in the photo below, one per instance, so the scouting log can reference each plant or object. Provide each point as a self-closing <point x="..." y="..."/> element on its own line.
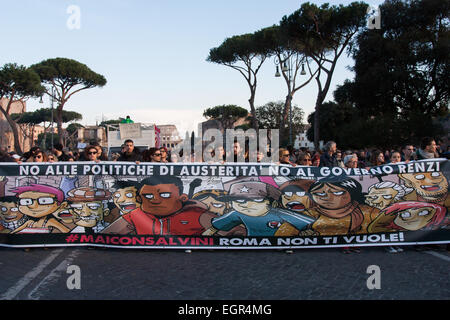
<point x="91" y="154"/>
<point x="130" y="152"/>
<point x="164" y="154"/>
<point x="377" y="158"/>
<point x="284" y="157"/>
<point x="40" y="156"/>
<point x="328" y="158"/>
<point x="427" y="149"/>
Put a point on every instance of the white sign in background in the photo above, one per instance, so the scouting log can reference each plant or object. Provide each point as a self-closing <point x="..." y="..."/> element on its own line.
<point x="130" y="130"/>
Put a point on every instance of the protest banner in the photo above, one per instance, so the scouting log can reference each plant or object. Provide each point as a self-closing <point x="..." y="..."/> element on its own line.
<point x="222" y="206"/>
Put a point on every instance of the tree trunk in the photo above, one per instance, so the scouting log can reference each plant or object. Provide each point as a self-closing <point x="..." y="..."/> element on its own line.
<point x="13" y="125"/>
<point x="251" y="101"/>
<point x="59" y="124"/>
<point x="285" y="119"/>
<point x="316" y="124"/>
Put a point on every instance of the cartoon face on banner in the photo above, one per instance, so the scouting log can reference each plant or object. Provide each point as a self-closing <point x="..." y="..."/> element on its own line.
<point x="429" y="186"/>
<point x="334" y="196"/>
<point x="163" y="197"/>
<point x="381" y="195"/>
<point x="210" y="198"/>
<point x="39" y="201"/>
<point x="294" y="195"/>
<point x="251" y="198"/>
<point x="65" y="215"/>
<point x="88" y="206"/>
<point x="125" y="196"/>
<point x="10" y="216"/>
<point x="409" y="216"/>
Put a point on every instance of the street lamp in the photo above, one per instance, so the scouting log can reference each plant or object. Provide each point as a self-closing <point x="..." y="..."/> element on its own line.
<point x="277" y="74"/>
<point x="286" y="68"/>
<point x="303" y="72"/>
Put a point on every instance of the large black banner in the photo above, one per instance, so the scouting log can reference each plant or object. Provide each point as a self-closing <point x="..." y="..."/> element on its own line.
<point x="213" y="206"/>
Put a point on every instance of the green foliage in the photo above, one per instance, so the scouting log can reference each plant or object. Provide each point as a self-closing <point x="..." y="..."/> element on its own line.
<point x="238" y="48"/>
<point x="406" y="63"/>
<point x="244" y="53"/>
<point x="65" y="77"/>
<point x="68" y="72"/>
<point x="44" y="140"/>
<point x="226" y="114"/>
<point x="73" y="127"/>
<point x="270" y="115"/>
<point x="110" y="122"/>
<point x="44" y="115"/>
<point x="318" y="29"/>
<point x="401" y="75"/>
<point x="17" y="82"/>
<point x="323" y="33"/>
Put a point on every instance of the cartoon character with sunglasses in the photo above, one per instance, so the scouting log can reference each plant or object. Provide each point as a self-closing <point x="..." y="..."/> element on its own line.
<point x="38" y="203"/>
<point x="253" y="206"/>
<point x="89" y="207"/>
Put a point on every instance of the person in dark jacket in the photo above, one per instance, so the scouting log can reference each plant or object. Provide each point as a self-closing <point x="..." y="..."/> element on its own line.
<point x="59" y="153"/>
<point x="130" y="153"/>
<point x="328" y="158"/>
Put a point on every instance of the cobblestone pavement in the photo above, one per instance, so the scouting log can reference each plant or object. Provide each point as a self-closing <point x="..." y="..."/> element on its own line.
<point x="318" y="274"/>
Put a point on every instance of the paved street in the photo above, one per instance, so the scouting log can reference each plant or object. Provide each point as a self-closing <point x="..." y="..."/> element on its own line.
<point x="41" y="274"/>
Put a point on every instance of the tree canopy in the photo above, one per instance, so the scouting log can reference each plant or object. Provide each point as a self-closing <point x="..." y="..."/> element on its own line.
<point x="44" y="115"/>
<point x="17" y="83"/>
<point x="245" y="53"/>
<point x="227" y="115"/>
<point x="323" y="33"/>
<point x="270" y="116"/>
<point x="64" y="78"/>
<point x="401" y="85"/>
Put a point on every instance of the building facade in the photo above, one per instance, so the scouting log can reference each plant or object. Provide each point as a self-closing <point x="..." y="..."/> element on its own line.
<point x="27" y="135"/>
<point x="169" y="136"/>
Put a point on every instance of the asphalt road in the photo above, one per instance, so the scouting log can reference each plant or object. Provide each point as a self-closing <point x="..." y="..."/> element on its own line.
<point x="308" y="274"/>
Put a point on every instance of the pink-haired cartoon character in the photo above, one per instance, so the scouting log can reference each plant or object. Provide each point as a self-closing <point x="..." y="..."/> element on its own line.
<point x="39" y="203"/>
<point x="409" y="216"/>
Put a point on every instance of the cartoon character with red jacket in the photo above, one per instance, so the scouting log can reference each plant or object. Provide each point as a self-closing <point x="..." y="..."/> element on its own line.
<point x="164" y="210"/>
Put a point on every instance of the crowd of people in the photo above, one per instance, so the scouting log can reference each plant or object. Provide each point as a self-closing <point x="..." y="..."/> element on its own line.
<point x="330" y="156"/>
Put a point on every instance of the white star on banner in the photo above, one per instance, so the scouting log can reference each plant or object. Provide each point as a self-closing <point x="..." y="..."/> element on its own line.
<point x="244" y="189"/>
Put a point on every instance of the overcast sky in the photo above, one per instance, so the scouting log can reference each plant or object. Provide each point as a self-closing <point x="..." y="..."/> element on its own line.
<point x="152" y="53"/>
